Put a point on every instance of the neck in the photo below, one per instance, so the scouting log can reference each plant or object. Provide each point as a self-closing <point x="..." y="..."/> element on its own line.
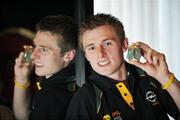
<point x="121" y="73"/>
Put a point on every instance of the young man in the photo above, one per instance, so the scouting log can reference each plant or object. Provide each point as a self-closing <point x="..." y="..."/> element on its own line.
<point x="54" y="49"/>
<point x="117" y="90"/>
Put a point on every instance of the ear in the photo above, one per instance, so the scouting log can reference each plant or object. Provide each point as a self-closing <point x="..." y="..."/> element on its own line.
<point x="70" y="55"/>
<point x="125" y="44"/>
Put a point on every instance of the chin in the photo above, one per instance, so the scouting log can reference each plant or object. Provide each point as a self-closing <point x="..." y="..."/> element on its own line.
<point x="39" y="73"/>
<point x="104" y="72"/>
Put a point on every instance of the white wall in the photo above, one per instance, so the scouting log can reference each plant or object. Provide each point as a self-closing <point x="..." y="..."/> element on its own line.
<point x="156" y="22"/>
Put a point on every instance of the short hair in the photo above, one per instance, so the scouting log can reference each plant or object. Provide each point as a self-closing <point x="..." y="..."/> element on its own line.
<point x="100" y="19"/>
<point x="62" y="26"/>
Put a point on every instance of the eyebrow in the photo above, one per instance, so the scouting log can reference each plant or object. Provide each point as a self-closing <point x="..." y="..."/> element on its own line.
<point x="107" y="40"/>
<point x="93" y="44"/>
<point x="42" y="46"/>
<point x="88" y="45"/>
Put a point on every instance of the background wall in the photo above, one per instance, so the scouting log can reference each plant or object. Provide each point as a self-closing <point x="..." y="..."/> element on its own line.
<point x="155" y="22"/>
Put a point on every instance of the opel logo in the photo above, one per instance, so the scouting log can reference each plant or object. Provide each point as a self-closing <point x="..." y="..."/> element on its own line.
<point x="150" y="96"/>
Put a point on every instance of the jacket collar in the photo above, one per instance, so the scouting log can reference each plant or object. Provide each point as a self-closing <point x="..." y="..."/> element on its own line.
<point x="61" y="79"/>
<point x="106" y="83"/>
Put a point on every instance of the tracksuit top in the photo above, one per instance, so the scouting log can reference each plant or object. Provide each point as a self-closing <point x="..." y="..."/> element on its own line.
<point x="149" y="101"/>
<point x="52" y="100"/>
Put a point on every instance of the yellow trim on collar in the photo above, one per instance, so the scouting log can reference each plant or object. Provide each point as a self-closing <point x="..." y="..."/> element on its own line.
<point x="38" y="85"/>
<point x="125" y="94"/>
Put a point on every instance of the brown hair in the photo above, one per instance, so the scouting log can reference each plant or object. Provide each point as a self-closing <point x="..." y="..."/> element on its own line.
<point x="101" y="19"/>
<point x="64" y="27"/>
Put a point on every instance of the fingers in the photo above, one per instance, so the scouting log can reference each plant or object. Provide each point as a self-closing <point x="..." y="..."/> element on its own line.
<point x="155" y="64"/>
<point x="155" y="60"/>
<point x="150" y="55"/>
<point x="142" y="45"/>
<point x="19" y="60"/>
<point x="146" y="51"/>
<point x="163" y="63"/>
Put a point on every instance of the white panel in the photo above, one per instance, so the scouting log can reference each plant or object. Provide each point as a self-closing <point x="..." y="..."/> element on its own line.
<point x="155" y="22"/>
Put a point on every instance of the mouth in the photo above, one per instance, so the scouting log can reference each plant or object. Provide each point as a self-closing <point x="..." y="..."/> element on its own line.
<point x="103" y="63"/>
<point x="38" y="65"/>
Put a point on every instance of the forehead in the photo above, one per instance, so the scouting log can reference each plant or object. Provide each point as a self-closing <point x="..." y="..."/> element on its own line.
<point x="99" y="34"/>
<point x="46" y="38"/>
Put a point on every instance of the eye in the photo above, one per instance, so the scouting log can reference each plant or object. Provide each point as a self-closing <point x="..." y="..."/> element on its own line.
<point x="107" y="43"/>
<point x="91" y="48"/>
<point x="43" y="49"/>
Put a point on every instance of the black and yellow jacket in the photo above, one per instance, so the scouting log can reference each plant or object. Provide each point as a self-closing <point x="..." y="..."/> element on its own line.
<point x="104" y="99"/>
<point x="52" y="100"/>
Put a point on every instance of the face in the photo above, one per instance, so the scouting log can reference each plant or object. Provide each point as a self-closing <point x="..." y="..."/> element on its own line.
<point x="46" y="54"/>
<point x="104" y="50"/>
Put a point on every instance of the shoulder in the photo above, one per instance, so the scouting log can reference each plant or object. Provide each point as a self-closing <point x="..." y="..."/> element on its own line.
<point x="83" y="103"/>
<point x="53" y="97"/>
<point x="84" y="94"/>
<point x="84" y="90"/>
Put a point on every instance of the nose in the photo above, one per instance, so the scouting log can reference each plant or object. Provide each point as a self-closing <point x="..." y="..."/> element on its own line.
<point x="101" y="52"/>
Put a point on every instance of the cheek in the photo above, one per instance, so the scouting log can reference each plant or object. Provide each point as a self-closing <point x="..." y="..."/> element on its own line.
<point x="91" y="59"/>
<point x="116" y="56"/>
<point x="58" y="60"/>
<point x="55" y="64"/>
<point x="50" y="60"/>
<point x="89" y="56"/>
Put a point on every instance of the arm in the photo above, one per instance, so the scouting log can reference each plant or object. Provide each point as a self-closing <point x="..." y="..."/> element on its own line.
<point x="21" y="98"/>
<point x="156" y="66"/>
